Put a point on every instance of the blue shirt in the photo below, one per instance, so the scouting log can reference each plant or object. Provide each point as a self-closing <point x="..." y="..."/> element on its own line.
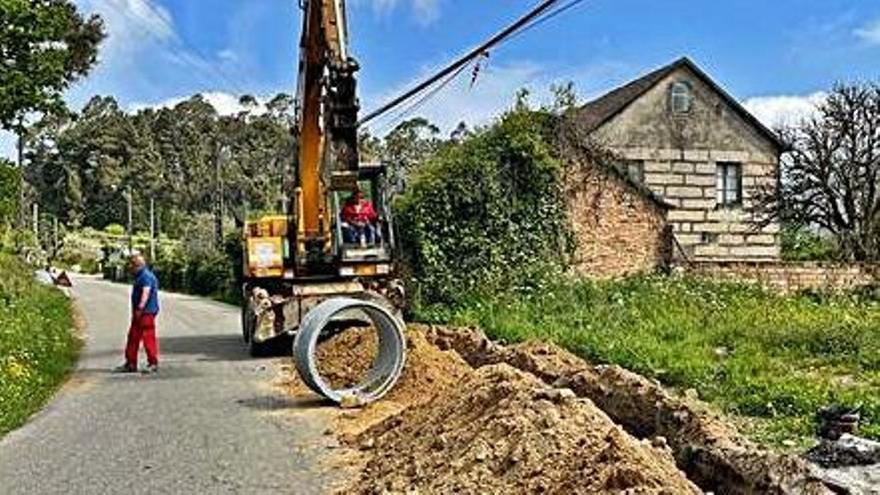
<point x="145" y="278"/>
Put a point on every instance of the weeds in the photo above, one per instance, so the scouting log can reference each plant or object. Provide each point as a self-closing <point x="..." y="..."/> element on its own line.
<point x="771" y="358"/>
<point x="37" y="348"/>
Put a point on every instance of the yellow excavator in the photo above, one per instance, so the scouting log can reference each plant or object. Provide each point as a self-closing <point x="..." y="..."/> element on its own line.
<point x="295" y="261"/>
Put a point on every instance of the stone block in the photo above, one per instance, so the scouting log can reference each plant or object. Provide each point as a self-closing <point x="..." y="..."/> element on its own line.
<point x="726" y="215"/>
<point x="729" y="156"/>
<point x="731" y="239"/>
<point x="675" y="179"/>
<point x="668" y="154"/>
<point x="698" y="204"/>
<point x="700" y="180"/>
<point x="657" y="167"/>
<point x="711" y="251"/>
<point x="683" y="215"/>
<point x="773" y="228"/>
<point x="683" y="167"/>
<point x="712" y="227"/>
<point x="705" y="169"/>
<point x="758" y="170"/>
<point x="684" y="192"/>
<point x="765" y="239"/>
<point x="696" y="155"/>
<point x="755" y="252"/>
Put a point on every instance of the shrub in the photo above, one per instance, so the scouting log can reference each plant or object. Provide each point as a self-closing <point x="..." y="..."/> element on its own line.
<point x="486" y="214"/>
<point x="115" y="229"/>
<point x="9" y="189"/>
<point x="799" y="244"/>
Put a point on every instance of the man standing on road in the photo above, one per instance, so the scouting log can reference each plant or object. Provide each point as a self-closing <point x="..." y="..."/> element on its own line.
<point x="144" y="309"/>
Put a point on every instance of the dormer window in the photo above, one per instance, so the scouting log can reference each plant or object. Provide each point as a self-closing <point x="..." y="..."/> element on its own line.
<point x="681" y="97"/>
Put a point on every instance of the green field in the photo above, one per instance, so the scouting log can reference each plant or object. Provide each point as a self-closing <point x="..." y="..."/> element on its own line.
<point x="37" y="346"/>
<point x="771" y="360"/>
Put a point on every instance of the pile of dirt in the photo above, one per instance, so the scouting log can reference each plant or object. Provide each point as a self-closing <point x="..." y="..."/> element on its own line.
<point x="345" y="358"/>
<point x="705" y="446"/>
<point x="429" y="371"/>
<point x="504" y="431"/>
<point x="471" y="416"/>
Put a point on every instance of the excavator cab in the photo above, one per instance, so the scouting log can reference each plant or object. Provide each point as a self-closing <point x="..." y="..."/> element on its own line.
<point x="367" y="250"/>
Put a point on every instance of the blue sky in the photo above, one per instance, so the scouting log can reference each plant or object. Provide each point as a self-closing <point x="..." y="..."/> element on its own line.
<point x="775" y="56"/>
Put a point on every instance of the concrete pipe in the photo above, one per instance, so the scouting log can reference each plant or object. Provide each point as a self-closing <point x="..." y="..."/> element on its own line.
<point x="387" y="365"/>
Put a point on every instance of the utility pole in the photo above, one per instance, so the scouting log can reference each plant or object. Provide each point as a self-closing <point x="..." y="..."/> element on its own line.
<point x="152" y="230"/>
<point x="22" y="203"/>
<point x="130" y="221"/>
<point x="219" y="161"/>
<point x="54" y="235"/>
<point x="36" y="221"/>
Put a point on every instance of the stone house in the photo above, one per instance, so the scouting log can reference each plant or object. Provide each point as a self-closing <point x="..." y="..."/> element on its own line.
<point x="688" y="148"/>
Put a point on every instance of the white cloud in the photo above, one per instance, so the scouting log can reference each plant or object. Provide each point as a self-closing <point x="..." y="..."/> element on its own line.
<point x="870" y="33"/>
<point x="224" y="103"/>
<point x="132" y="25"/>
<point x="784" y="110"/>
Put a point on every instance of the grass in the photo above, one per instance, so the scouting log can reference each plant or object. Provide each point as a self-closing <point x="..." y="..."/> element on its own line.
<point x="772" y="360"/>
<point x="37" y="346"/>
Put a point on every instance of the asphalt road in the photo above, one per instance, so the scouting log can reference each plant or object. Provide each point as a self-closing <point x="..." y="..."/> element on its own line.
<point x="207" y="423"/>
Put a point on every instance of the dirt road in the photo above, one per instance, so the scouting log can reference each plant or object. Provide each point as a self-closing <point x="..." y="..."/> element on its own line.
<point x="208" y="423"/>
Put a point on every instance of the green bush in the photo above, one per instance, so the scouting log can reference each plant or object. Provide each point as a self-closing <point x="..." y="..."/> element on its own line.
<point x="752" y="353"/>
<point x="115" y="229"/>
<point x="799" y="244"/>
<point x="486" y="214"/>
<point x="9" y="189"/>
<point x="37" y="347"/>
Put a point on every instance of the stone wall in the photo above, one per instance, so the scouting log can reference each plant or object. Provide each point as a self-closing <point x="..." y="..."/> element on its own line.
<point x="618" y="230"/>
<point x="791" y="277"/>
<point x="679" y="155"/>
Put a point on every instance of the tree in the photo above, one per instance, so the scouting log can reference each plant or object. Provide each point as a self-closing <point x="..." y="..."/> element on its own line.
<point x="830" y="178"/>
<point x="9" y="184"/>
<point x="407" y="146"/>
<point x="45" y="45"/>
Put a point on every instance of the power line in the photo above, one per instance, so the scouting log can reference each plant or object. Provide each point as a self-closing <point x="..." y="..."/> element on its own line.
<point x="424" y="99"/>
<point x="463" y="61"/>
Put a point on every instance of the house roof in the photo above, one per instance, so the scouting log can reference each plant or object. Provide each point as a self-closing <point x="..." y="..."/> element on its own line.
<point x="599" y="111"/>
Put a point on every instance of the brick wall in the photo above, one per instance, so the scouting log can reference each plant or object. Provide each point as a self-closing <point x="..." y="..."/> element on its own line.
<point x="618" y="230"/>
<point x="791" y="277"/>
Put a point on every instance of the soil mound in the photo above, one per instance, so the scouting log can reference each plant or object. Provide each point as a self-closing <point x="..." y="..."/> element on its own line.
<point x="344" y="357"/>
<point x="504" y="431"/>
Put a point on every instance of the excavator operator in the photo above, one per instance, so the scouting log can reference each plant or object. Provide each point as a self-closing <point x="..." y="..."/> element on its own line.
<point x="359" y="220"/>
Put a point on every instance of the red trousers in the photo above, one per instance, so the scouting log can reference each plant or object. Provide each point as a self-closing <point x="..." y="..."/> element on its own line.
<point x="143" y="328"/>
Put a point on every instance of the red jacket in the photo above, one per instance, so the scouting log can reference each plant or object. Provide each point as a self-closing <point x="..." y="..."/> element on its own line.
<point x="359" y="213"/>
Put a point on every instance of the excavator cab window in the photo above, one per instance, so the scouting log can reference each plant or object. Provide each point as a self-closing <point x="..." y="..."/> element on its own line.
<point x="366" y="227"/>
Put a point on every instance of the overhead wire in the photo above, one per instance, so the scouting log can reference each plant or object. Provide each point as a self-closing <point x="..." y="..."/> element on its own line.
<point x="541" y="14"/>
<point x="464" y="60"/>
